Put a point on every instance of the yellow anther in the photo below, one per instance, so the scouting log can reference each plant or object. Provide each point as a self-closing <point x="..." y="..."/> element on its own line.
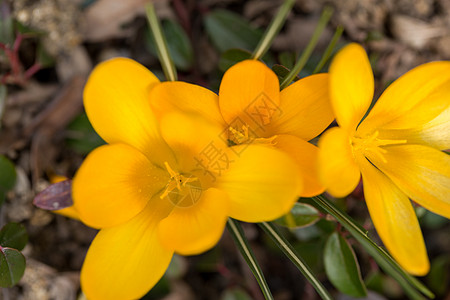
<point x="373" y="144"/>
<point x="266" y="141"/>
<point x="240" y="136"/>
<point x="176" y="181"/>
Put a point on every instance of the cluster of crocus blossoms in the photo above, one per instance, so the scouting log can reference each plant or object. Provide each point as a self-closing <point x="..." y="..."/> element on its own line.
<point x="181" y="160"/>
<point x="397" y="148"/>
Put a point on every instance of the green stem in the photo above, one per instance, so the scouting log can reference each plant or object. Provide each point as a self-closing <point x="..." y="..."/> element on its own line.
<point x="329" y="50"/>
<point x="384" y="260"/>
<point x="161" y="44"/>
<point x="323" y="21"/>
<point x="238" y="235"/>
<point x="273" y="29"/>
<point x="290" y="252"/>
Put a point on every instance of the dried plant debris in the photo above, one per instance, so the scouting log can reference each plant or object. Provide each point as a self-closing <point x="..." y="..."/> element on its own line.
<point x="58" y="19"/>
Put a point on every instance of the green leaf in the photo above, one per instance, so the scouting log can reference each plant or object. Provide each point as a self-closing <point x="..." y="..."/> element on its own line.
<point x="44" y="58"/>
<point x="159" y="291"/>
<point x="432" y="221"/>
<point x="384" y="260"/>
<point x="232" y="56"/>
<point x="312" y="253"/>
<point x="177" y="267"/>
<point x="301" y="215"/>
<point x="383" y="285"/>
<point x="6" y="24"/>
<point x="235" y="294"/>
<point x="13" y="235"/>
<point x="439" y="273"/>
<point x="342" y="268"/>
<point x="29" y="31"/>
<point x="81" y="136"/>
<point x="179" y="45"/>
<point x="7" y="174"/>
<point x="12" y="267"/>
<point x="3" y="94"/>
<point x="287" y="59"/>
<point x="282" y="72"/>
<point x="228" y="30"/>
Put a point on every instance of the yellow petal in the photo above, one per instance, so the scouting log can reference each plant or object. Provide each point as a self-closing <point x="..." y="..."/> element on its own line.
<point x="306" y="156"/>
<point x="70" y="212"/>
<point x="114" y="184"/>
<point x="305" y="108"/>
<point x="126" y="261"/>
<point x="395" y="221"/>
<point x="351" y="85"/>
<point x="338" y="170"/>
<point x="263" y="184"/>
<point x="412" y="100"/>
<point x="197" y="228"/>
<point x="435" y="133"/>
<point x="421" y="172"/>
<point x="191" y="137"/>
<point x="185" y="97"/>
<point x="116" y="99"/>
<point x="249" y="91"/>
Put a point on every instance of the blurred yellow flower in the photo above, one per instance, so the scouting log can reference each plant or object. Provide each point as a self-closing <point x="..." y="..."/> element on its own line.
<point x="163" y="186"/>
<point x="252" y="110"/>
<point x="396" y="148"/>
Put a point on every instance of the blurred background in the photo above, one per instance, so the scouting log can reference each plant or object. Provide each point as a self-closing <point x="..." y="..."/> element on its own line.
<point x="49" y="47"/>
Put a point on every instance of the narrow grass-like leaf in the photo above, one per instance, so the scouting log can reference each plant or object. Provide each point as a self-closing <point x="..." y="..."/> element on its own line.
<point x="161" y="44"/>
<point x="238" y="235"/>
<point x="323" y="21"/>
<point x="384" y="260"/>
<point x="290" y="252"/>
<point x="327" y="54"/>
<point x="342" y="268"/>
<point x="12" y="266"/>
<point x="281" y="72"/>
<point x="13" y="235"/>
<point x="273" y="29"/>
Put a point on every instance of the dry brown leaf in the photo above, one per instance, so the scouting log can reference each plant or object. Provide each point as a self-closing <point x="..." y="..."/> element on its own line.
<point x="414" y="32"/>
<point x="105" y="18"/>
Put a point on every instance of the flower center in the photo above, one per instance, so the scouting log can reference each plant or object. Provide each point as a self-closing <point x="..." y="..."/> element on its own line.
<point x="181" y="190"/>
<point x="242" y="135"/>
<point x="372" y="144"/>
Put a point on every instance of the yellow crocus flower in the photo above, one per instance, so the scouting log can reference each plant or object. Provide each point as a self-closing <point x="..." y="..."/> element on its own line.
<point x="396" y="148"/>
<point x="163" y="186"/>
<point x="252" y="110"/>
